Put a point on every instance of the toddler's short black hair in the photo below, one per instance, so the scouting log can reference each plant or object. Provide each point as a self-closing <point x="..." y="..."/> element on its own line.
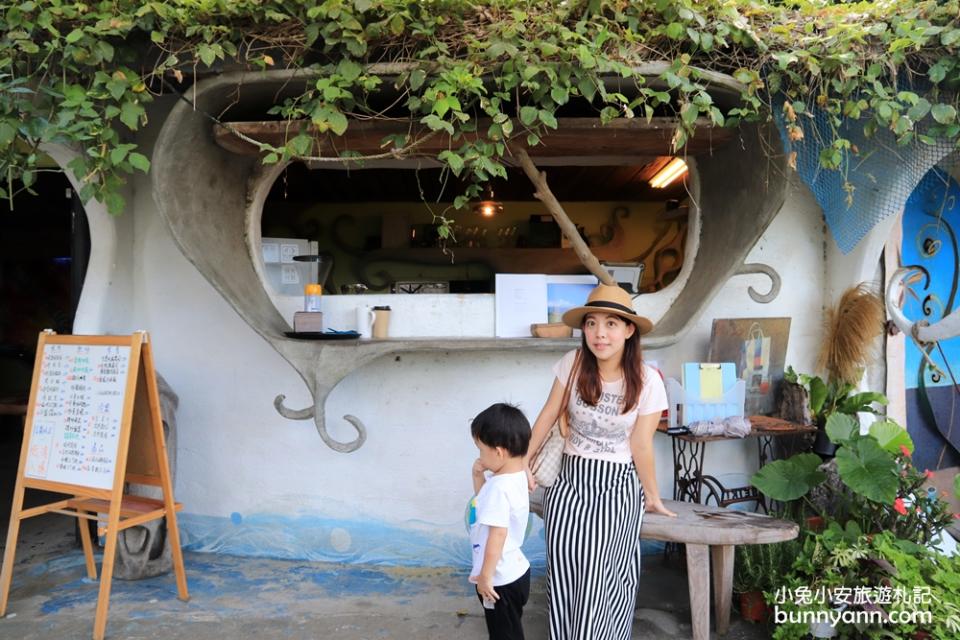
<point x="502" y="425"/>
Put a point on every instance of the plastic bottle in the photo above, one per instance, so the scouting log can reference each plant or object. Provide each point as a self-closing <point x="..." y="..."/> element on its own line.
<point x="311" y="297"/>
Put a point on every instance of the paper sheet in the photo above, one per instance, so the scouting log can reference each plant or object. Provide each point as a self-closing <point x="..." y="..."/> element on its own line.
<point x="521" y="300"/>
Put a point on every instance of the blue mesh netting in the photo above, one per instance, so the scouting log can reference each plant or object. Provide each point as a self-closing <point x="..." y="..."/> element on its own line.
<point x="880" y="176"/>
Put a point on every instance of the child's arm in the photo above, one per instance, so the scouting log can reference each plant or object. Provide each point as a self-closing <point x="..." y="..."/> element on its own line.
<point x="478" y="477"/>
<point x="491" y="556"/>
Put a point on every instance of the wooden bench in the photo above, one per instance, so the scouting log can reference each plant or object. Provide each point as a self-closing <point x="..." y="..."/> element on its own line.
<point x="710" y="535"/>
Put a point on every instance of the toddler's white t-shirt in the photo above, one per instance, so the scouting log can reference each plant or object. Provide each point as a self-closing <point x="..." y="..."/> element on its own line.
<point x="503" y="501"/>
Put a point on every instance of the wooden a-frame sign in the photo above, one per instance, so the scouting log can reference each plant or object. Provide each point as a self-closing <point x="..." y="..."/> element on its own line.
<point x="93" y="424"/>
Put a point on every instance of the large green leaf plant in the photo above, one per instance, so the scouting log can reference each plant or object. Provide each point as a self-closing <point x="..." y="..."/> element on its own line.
<point x="879" y="488"/>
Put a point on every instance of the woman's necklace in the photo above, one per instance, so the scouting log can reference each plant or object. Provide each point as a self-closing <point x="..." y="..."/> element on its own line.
<point x="609" y="378"/>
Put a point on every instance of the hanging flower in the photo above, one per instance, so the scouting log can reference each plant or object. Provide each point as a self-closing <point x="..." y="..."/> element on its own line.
<point x="928" y="473"/>
<point x="905" y="451"/>
<point x="898" y="506"/>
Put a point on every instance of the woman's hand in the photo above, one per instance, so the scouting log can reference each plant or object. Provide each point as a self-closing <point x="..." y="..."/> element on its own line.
<point x="531" y="481"/>
<point x="656" y="506"/>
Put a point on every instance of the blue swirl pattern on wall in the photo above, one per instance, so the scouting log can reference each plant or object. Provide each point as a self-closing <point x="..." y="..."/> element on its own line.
<point x="930" y="220"/>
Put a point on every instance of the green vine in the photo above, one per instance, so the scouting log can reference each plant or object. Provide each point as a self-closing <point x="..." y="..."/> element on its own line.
<point x="83" y="74"/>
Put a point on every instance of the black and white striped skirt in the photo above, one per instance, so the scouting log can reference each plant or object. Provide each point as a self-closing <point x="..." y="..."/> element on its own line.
<point x="592" y="517"/>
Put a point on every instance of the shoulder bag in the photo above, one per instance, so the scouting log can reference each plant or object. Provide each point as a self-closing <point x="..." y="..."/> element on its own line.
<point x="546" y="463"/>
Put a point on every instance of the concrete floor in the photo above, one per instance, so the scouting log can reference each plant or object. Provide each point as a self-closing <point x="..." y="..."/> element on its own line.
<point x="232" y="597"/>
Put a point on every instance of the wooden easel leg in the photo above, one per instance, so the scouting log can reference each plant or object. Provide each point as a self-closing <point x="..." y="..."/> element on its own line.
<point x="174" y="532"/>
<point x="166" y="482"/>
<point x="106" y="572"/>
<point x="6" y="574"/>
<point x="87" y="545"/>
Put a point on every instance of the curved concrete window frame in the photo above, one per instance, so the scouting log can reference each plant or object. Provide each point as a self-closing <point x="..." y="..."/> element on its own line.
<point x="214" y="210"/>
<point x="652" y="305"/>
<point x="93" y="309"/>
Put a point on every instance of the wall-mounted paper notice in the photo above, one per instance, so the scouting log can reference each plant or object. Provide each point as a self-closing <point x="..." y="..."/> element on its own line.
<point x="271" y="252"/>
<point x="290" y="274"/>
<point x="287" y="251"/>
<point x="521" y="300"/>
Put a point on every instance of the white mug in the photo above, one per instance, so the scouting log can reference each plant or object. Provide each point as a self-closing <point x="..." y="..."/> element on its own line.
<point x="365" y="317"/>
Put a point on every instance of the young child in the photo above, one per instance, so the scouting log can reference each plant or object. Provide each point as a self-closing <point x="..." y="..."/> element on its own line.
<point x="498" y="519"/>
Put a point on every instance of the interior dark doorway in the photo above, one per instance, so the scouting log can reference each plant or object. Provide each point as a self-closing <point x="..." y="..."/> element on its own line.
<point x="44" y="251"/>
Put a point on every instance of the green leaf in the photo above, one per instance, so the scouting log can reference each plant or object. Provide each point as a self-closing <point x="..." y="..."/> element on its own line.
<point x="587" y="87"/>
<point x="818" y="394"/>
<point x="130" y="114"/>
<point x="528" y="115"/>
<point x="435" y="123"/>
<point x="789" y="479"/>
<point x="956" y="485"/>
<point x="891" y="436"/>
<point x="417" y="76"/>
<point x="841" y="427"/>
<point x="139" y="162"/>
<point x="547" y="118"/>
<point x="918" y="111"/>
<point x="338" y="122"/>
<point x="689" y="113"/>
<point x="860" y="402"/>
<point x="943" y="113"/>
<point x="115" y="203"/>
<point x="560" y="95"/>
<point x="675" y="30"/>
<point x="453" y="160"/>
<point x="868" y="470"/>
<point x="206" y="54"/>
<point x="74" y="36"/>
<point x="349" y="69"/>
<point x="7" y="133"/>
<point x="120" y="153"/>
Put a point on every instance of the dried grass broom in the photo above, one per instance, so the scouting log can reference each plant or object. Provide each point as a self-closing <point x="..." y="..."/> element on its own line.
<point x="849" y="332"/>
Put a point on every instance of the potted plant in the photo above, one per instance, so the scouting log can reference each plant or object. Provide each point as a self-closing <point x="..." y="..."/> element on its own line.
<point x="876" y="484"/>
<point x="758" y="572"/>
<point x="828" y="398"/>
<point x="850" y="329"/>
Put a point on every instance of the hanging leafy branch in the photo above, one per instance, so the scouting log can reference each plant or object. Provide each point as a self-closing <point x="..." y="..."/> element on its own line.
<point x="84" y="74"/>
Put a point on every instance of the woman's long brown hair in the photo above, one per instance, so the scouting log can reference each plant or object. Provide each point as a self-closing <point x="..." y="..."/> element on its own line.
<point x="589" y="385"/>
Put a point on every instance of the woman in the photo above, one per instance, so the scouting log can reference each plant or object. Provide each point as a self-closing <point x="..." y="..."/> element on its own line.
<point x="593" y="511"/>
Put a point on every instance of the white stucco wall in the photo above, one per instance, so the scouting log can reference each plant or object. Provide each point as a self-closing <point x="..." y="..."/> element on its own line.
<point x="245" y="470"/>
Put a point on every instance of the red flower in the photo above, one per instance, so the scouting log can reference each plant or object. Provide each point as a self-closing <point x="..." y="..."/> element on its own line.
<point x="928" y="473"/>
<point x="905" y="451"/>
<point x="898" y="506"/>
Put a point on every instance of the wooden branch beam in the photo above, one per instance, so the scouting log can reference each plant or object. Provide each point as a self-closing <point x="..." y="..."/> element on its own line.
<point x="573" y="137"/>
<point x="544" y="195"/>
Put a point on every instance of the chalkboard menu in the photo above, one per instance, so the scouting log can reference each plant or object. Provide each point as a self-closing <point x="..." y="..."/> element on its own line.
<point x="78" y="414"/>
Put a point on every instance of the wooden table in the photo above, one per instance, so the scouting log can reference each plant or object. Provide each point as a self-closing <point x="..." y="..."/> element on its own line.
<point x="688" y="454"/>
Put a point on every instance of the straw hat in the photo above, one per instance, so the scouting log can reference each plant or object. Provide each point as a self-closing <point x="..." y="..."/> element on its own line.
<point x="608" y="299"/>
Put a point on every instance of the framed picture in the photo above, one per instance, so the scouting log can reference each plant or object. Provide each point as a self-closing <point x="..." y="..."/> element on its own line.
<point x="758" y="346"/>
<point x="567" y="292"/>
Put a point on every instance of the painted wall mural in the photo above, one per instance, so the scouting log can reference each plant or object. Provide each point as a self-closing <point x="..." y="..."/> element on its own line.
<point x="930" y="223"/>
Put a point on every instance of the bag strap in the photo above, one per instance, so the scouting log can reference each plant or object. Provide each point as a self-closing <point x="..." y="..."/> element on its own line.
<point x="563" y="418"/>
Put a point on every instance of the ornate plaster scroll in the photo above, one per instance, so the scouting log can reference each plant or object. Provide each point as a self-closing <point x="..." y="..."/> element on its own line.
<point x="767" y="270"/>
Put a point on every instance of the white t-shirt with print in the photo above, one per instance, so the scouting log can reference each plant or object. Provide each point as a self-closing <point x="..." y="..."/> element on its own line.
<point x="602" y="432"/>
<point x="503" y="501"/>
